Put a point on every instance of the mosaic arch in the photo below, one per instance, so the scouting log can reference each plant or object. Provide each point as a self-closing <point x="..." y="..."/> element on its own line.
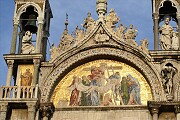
<point x="102" y="83"/>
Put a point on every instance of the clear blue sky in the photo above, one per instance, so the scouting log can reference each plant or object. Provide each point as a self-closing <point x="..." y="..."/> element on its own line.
<point x="136" y="12"/>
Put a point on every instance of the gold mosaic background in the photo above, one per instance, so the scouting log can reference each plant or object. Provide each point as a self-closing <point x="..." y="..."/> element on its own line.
<point x="61" y="95"/>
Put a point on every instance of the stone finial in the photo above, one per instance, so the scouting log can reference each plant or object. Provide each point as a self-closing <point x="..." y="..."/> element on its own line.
<point x="101" y="8"/>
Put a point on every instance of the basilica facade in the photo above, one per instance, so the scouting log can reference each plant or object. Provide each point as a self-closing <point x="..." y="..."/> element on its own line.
<point x="99" y="73"/>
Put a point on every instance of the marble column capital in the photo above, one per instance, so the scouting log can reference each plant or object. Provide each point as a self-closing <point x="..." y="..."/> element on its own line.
<point x="40" y="20"/>
<point x="15" y="21"/>
<point x="36" y="62"/>
<point x="177" y="108"/>
<point x="10" y="63"/>
<point x="31" y="106"/>
<point x="178" y="15"/>
<point x="155" y="16"/>
<point x="4" y="106"/>
<point x="46" y="109"/>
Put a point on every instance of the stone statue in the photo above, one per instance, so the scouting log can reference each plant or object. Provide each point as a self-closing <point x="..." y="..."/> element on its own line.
<point x="166" y="34"/>
<point x="88" y="23"/>
<point x="175" y="41"/>
<point x="79" y="35"/>
<point x="112" y="19"/>
<point x="27" y="46"/>
<point x="66" y="41"/>
<point x="26" y="78"/>
<point x="144" y="45"/>
<point x="168" y="73"/>
<point x="120" y="30"/>
<point x="130" y="35"/>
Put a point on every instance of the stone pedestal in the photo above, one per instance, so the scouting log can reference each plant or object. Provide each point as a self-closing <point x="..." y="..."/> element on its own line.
<point x="31" y="110"/>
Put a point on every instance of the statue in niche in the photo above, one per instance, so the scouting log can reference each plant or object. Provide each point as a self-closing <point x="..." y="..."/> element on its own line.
<point x="101" y="37"/>
<point x="175" y="41"/>
<point x="26" y="78"/>
<point x="79" y="34"/>
<point x="112" y="19"/>
<point x="66" y="41"/>
<point x="130" y="35"/>
<point x="27" y="46"/>
<point x="88" y="23"/>
<point x="144" y="45"/>
<point x="168" y="73"/>
<point x="120" y="30"/>
<point x="166" y="33"/>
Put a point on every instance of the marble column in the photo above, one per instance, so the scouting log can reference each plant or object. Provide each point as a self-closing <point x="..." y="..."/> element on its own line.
<point x="31" y="110"/>
<point x="178" y="18"/>
<point x="44" y="47"/>
<point x="4" y="110"/>
<point x="39" y="35"/>
<point x="14" y="37"/>
<point x="154" y="112"/>
<point x="36" y="71"/>
<point x="156" y="30"/>
<point x="46" y="110"/>
<point x="10" y="72"/>
<point x="177" y="111"/>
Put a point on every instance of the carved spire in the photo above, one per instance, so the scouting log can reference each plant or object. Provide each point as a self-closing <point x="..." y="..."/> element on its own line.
<point x="101" y="8"/>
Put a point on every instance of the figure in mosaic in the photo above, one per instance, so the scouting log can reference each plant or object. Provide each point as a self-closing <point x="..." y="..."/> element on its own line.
<point x="166" y="32"/>
<point x="26" y="78"/>
<point x="27" y="46"/>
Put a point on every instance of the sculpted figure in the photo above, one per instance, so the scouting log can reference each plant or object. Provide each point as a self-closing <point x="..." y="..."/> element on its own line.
<point x="88" y="23"/>
<point x="130" y="35"/>
<point x="66" y="41"/>
<point x="26" y="78"/>
<point x="144" y="45"/>
<point x="53" y="51"/>
<point x="112" y="19"/>
<point x="120" y="31"/>
<point x="168" y="73"/>
<point x="27" y="46"/>
<point x="166" y="35"/>
<point x="79" y="35"/>
<point x="175" y="41"/>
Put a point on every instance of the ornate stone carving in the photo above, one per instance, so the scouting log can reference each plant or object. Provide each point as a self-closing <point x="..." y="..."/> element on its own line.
<point x="79" y="35"/>
<point x="130" y="36"/>
<point x="144" y="46"/>
<point x="148" y="71"/>
<point x="112" y="19"/>
<point x="31" y="106"/>
<point x="46" y="109"/>
<point x="168" y="73"/>
<point x="120" y="31"/>
<point x="27" y="46"/>
<point x="101" y="36"/>
<point x="10" y="63"/>
<point x="54" y="52"/>
<point x="89" y="23"/>
<point x="66" y="41"/>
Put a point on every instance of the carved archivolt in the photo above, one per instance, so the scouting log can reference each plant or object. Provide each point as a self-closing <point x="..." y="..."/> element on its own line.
<point x="65" y="65"/>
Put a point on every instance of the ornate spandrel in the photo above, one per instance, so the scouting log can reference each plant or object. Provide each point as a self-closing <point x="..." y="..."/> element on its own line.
<point x="101" y="36"/>
<point x="102" y="83"/>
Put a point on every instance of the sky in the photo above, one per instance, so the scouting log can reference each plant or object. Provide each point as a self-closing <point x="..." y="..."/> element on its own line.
<point x="136" y="12"/>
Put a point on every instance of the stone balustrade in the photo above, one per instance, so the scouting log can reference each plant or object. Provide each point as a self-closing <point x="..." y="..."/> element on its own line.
<point x="19" y="92"/>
